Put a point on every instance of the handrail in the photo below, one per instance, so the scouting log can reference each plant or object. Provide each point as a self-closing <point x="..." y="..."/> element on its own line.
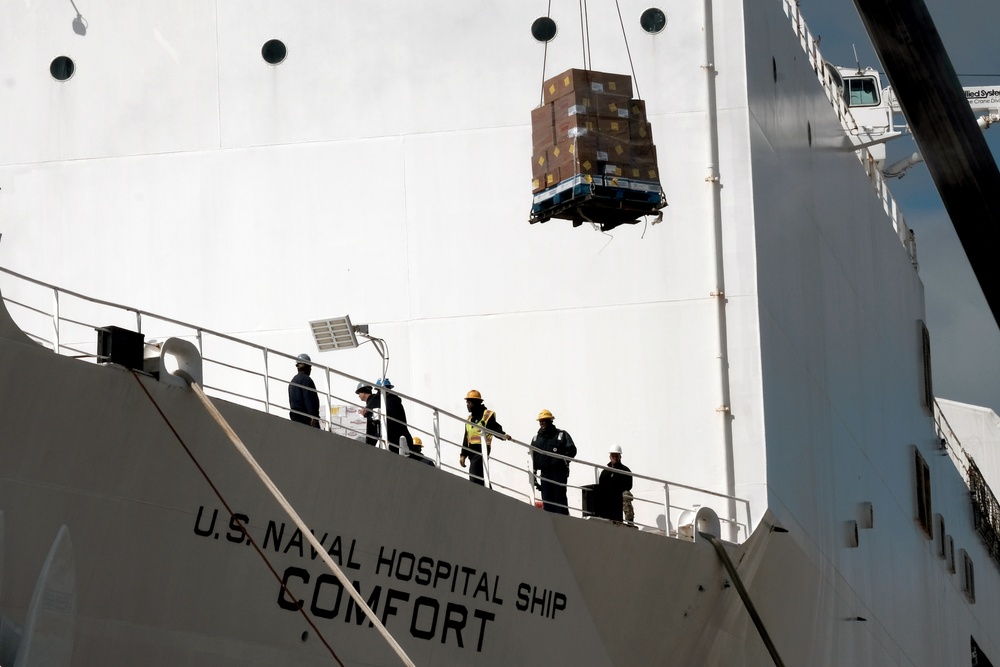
<point x="811" y="47"/>
<point x="508" y="469"/>
<point x="985" y="507"/>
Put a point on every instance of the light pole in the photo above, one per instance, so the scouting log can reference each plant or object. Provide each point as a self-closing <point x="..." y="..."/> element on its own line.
<point x="338" y="333"/>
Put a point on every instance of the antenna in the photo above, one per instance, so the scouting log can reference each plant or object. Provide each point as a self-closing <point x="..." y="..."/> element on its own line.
<point x="856" y="61"/>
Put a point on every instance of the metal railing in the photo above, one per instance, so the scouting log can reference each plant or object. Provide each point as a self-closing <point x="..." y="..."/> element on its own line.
<point x="985" y="508"/>
<point x="833" y="93"/>
<point x="242" y="372"/>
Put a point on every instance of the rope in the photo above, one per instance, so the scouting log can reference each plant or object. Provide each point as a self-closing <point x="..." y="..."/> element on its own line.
<point x="289" y="510"/>
<point x="635" y="80"/>
<point x="545" y="59"/>
<point x="218" y="494"/>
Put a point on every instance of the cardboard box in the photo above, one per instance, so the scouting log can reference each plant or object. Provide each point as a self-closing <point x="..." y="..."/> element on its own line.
<point x="610" y="107"/>
<point x="613" y="129"/>
<point x="542" y="127"/>
<point x="618" y="86"/>
<point x="640" y="132"/>
<point x="584" y="82"/>
<point x="564" y="84"/>
<point x="539" y="163"/>
<point x="570" y="105"/>
<point x="576" y="125"/>
<point x="637" y="110"/>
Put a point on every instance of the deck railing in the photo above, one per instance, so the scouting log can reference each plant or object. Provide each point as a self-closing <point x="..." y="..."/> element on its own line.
<point x="242" y="372"/>
<point x="833" y="92"/>
<point x="985" y="508"/>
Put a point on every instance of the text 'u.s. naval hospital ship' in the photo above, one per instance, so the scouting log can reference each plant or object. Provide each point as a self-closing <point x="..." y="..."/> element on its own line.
<point x="800" y="498"/>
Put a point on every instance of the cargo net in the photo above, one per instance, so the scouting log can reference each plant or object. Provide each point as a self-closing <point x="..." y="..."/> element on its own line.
<point x="593" y="158"/>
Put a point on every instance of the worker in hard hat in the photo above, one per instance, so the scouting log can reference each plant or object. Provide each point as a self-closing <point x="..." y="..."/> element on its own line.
<point x="472" y="441"/>
<point x="554" y="471"/>
<point x="395" y="417"/>
<point x="303" y="401"/>
<point x="612" y="484"/>
<point x="417" y="452"/>
<point x="369" y="412"/>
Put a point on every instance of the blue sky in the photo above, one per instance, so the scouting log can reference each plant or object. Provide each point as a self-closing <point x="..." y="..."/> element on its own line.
<point x="965" y="339"/>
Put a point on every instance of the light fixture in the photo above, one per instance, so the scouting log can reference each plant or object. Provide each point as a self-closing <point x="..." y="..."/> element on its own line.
<point x="335" y="333"/>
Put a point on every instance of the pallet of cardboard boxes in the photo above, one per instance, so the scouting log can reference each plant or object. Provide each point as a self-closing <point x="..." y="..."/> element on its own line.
<point x="593" y="157"/>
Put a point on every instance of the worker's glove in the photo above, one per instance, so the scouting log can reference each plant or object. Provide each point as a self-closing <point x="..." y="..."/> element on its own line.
<point x="461" y="460"/>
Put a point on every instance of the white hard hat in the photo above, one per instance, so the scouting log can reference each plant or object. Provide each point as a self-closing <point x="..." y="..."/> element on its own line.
<point x="615" y="449"/>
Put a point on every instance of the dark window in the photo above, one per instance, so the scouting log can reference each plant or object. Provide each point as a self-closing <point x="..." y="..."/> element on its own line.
<point x="62" y="68"/>
<point x="942" y="543"/>
<point x="273" y="51"/>
<point x="923" y="477"/>
<point x="925" y="344"/>
<point x="969" y="577"/>
<point x="653" y="20"/>
<point x="543" y="29"/>
<point x="951" y="553"/>
<point x="861" y="91"/>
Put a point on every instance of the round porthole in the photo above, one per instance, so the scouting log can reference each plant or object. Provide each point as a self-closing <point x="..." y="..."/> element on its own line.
<point x="653" y="20"/>
<point x="543" y="29"/>
<point x="273" y="51"/>
<point x="62" y="68"/>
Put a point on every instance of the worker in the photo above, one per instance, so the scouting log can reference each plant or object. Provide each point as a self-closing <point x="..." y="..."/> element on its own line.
<point x="395" y="417"/>
<point x="369" y="412"/>
<point x="417" y="452"/>
<point x="472" y="447"/>
<point x="554" y="472"/>
<point x="303" y="401"/>
<point x="612" y="485"/>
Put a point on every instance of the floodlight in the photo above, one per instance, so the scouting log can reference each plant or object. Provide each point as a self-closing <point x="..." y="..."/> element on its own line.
<point x="335" y="333"/>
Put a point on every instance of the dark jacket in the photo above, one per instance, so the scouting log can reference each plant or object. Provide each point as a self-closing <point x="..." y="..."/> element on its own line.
<point x="395" y="416"/>
<point x="303" y="398"/>
<point x="555" y="440"/>
<point x="610" y="488"/>
<point x="371" y="419"/>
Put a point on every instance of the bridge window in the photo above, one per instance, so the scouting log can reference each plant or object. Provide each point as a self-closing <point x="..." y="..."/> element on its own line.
<point x="861" y="91"/>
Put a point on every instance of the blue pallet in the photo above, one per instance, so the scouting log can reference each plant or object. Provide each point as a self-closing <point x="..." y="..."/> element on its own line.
<point x="605" y="201"/>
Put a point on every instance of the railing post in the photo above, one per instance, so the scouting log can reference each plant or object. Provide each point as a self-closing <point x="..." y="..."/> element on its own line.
<point x="666" y="507"/>
<point x="329" y="401"/>
<point x="486" y="459"/>
<point x="55" y="321"/>
<point x="267" y="383"/>
<point x="531" y="476"/>
<point x="138" y="321"/>
<point x="436" y="422"/>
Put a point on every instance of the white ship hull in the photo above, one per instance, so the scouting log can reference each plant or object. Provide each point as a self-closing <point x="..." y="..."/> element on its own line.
<point x="382" y="170"/>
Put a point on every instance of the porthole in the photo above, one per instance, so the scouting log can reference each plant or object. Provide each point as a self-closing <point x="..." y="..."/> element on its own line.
<point x="543" y="29"/>
<point x="62" y="68"/>
<point x="273" y="51"/>
<point x="653" y="20"/>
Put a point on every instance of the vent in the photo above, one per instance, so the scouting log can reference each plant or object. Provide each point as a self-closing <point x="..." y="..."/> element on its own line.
<point x="923" y="478"/>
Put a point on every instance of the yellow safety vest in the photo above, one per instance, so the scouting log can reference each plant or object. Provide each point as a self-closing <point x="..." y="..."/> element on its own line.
<point x="473" y="434"/>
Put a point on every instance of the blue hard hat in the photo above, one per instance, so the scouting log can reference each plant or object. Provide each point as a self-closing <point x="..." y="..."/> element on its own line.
<point x="384" y="382"/>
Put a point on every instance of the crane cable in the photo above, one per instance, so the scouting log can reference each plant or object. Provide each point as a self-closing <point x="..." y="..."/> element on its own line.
<point x="585" y="42"/>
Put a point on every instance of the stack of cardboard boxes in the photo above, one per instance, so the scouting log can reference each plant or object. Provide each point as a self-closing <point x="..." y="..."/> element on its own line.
<point x="589" y="125"/>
